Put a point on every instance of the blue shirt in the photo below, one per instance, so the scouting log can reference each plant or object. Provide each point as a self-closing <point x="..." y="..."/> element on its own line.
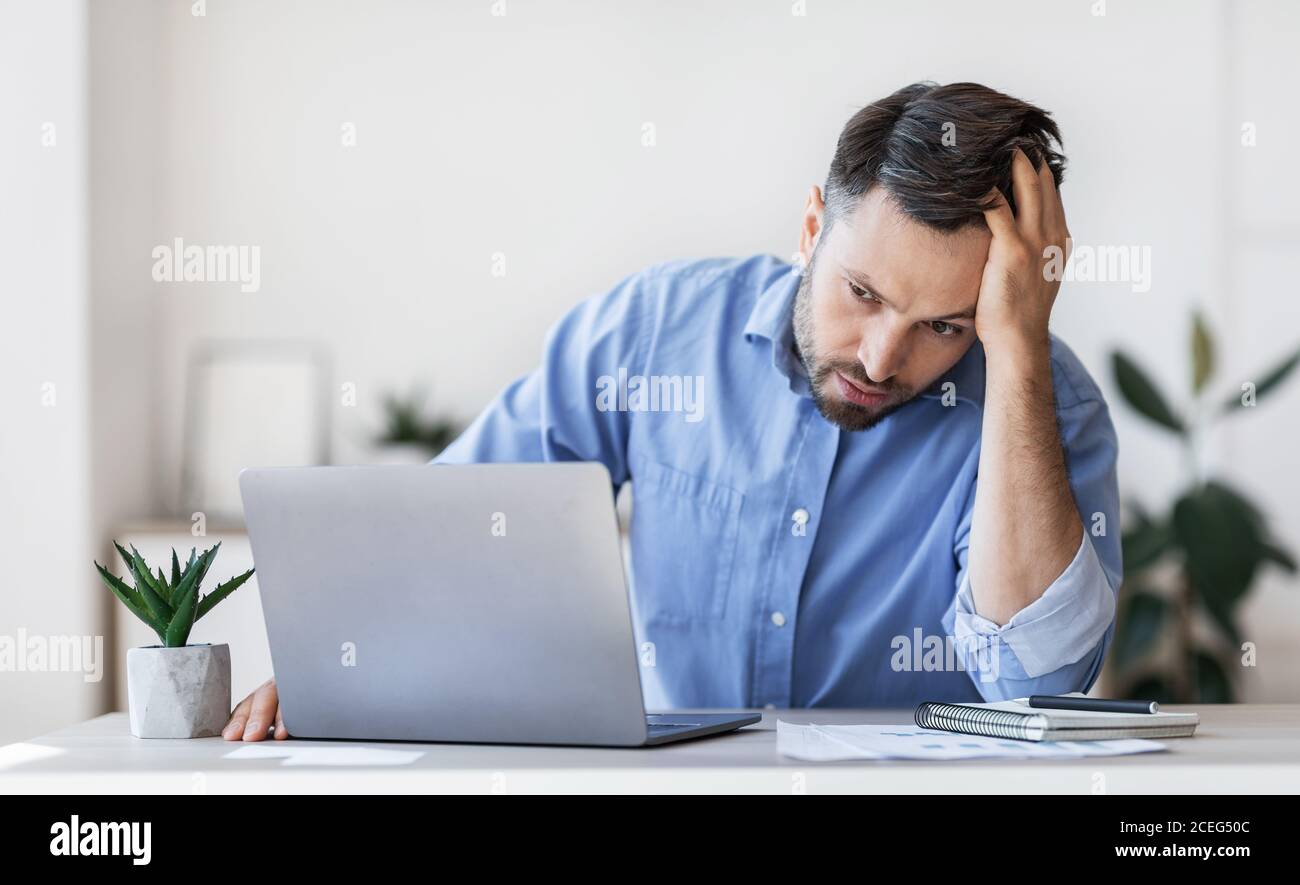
<point x="775" y="559"/>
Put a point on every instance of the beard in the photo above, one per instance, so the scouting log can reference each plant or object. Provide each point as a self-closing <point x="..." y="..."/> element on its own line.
<point x="834" y="408"/>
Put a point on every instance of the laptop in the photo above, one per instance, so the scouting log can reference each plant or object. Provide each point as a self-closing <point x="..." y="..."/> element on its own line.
<point x="481" y="603"/>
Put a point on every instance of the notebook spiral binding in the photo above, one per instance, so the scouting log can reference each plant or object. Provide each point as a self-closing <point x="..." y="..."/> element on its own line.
<point x="969" y="720"/>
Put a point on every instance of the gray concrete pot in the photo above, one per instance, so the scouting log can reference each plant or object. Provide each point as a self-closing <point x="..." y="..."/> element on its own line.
<point x="178" y="692"/>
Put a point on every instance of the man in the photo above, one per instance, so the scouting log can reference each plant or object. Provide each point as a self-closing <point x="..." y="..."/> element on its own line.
<point x="869" y="478"/>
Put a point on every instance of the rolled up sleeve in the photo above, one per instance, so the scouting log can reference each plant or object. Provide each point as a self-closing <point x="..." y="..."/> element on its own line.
<point x="1051" y="646"/>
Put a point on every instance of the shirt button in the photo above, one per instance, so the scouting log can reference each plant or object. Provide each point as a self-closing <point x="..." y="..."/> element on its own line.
<point x="778" y="619"/>
<point x="800" y="516"/>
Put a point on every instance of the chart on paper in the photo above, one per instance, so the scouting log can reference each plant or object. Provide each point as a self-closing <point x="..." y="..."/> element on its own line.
<point x="826" y="743"/>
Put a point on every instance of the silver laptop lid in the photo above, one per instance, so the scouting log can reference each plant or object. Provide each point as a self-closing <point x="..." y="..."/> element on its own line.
<point x="481" y="602"/>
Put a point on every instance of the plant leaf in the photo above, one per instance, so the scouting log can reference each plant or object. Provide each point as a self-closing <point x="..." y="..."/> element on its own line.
<point x="127" y="558"/>
<point x="1221" y="611"/>
<point x="1276" y="554"/>
<point x="204" y="562"/>
<point x="193" y="574"/>
<point x="144" y="585"/>
<point x="131" y="599"/>
<point x="1278" y="374"/>
<point x="1139" y="627"/>
<point x="189" y="563"/>
<point x="1142" y="394"/>
<point x="1271" y="379"/>
<point x="178" y="631"/>
<point x="1222" y="536"/>
<point x="176" y="569"/>
<point x="131" y="592"/>
<point x="222" y="591"/>
<point x="1145" y="543"/>
<point x="1202" y="353"/>
<point x="187" y="597"/>
<point x="1212" y="683"/>
<point x="140" y="571"/>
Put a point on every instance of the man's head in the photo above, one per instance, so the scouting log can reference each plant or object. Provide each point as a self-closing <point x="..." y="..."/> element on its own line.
<point x="894" y="253"/>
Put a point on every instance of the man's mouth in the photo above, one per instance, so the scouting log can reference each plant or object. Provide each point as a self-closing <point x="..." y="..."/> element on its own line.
<point x="860" y="394"/>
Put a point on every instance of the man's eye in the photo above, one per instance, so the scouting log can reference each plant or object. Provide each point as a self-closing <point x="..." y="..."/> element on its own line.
<point x="946" y="330"/>
<point x="861" y="293"/>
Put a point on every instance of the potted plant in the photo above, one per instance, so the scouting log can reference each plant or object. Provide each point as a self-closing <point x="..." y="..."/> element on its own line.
<point x="175" y="690"/>
<point x="1194" y="564"/>
<point x="408" y="436"/>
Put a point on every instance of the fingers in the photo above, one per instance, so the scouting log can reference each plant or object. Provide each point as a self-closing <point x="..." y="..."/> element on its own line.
<point x="281" y="733"/>
<point x="254" y="714"/>
<point x="1053" y="210"/>
<point x="234" y="729"/>
<point x="266" y="701"/>
<point x="1000" y="220"/>
<point x="1027" y="187"/>
<point x="1055" y="230"/>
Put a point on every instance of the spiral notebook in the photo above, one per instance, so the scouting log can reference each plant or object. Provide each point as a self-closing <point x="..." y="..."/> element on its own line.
<point x="1016" y="719"/>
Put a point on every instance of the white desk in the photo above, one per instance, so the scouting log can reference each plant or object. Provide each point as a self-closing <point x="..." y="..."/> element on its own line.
<point x="1249" y="748"/>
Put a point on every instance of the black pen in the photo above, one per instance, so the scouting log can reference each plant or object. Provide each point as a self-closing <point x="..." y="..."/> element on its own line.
<point x="1099" y="705"/>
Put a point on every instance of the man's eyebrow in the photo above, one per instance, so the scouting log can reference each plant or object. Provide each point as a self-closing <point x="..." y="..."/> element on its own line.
<point x="862" y="281"/>
<point x="967" y="314"/>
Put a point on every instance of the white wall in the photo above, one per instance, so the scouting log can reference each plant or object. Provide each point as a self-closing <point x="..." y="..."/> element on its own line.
<point x="129" y="101"/>
<point x="44" y="480"/>
<point x="1257" y="303"/>
<point x="522" y="135"/>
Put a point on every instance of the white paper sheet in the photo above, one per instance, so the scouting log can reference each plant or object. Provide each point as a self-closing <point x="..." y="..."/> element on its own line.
<point x="300" y="755"/>
<point x="827" y="743"/>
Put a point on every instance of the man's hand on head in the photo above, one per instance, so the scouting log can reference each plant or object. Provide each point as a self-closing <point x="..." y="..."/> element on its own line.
<point x="1016" y="296"/>
<point x="1025" y="527"/>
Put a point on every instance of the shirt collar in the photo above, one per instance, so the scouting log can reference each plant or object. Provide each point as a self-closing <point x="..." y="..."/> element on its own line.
<point x="772" y="320"/>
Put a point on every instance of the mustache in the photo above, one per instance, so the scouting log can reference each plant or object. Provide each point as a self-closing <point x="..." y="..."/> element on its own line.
<point x="854" y="372"/>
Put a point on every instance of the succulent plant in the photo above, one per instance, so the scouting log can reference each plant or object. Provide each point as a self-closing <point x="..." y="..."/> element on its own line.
<point x="169" y="606"/>
<point x="407" y="425"/>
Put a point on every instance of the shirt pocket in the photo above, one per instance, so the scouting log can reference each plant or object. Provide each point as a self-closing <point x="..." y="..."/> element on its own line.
<point x="684" y="536"/>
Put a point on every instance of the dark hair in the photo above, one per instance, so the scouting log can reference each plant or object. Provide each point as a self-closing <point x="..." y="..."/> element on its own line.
<point x="938" y="151"/>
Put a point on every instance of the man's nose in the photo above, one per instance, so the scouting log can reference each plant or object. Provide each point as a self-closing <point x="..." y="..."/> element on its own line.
<point x="882" y="351"/>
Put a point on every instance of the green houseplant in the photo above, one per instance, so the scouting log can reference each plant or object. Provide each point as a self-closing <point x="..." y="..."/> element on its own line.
<point x="1196" y="561"/>
<point x="175" y="690"/>
<point x="406" y="427"/>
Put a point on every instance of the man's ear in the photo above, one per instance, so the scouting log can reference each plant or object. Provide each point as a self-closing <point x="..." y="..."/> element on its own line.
<point x="811" y="227"/>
